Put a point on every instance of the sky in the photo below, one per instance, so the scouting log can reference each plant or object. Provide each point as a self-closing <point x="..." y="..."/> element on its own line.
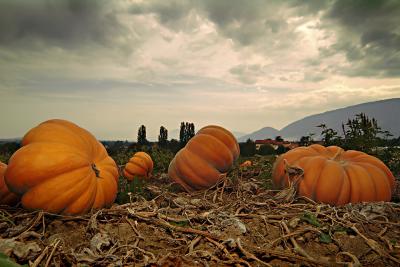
<point x="111" y="66"/>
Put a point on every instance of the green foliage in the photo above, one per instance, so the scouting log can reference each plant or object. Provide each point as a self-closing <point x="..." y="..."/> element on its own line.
<point x="248" y="149"/>
<point x="161" y="158"/>
<point x="126" y="188"/>
<point x="5" y="261"/>
<point x="361" y="133"/>
<point x="186" y="133"/>
<point x="163" y="137"/>
<point x="307" y="140"/>
<point x="141" y="138"/>
<point x="266" y="149"/>
<point x="281" y="149"/>
<point x="7" y="149"/>
<point x="329" y="136"/>
<point x="364" y="134"/>
<point x="311" y="219"/>
<point x="325" y="238"/>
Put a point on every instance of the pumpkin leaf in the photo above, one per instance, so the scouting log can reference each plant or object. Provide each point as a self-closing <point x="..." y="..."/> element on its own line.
<point x="311" y="219"/>
<point x="325" y="238"/>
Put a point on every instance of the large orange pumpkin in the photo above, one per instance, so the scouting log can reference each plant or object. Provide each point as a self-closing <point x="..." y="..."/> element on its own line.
<point x="6" y="197"/>
<point x="140" y="165"/>
<point x="335" y="176"/>
<point x="62" y="168"/>
<point x="199" y="165"/>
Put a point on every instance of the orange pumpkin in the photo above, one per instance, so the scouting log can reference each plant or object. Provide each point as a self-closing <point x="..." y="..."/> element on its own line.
<point x="62" y="168"/>
<point x="6" y="197"/>
<point x="199" y="165"/>
<point x="247" y="163"/>
<point x="140" y="165"/>
<point x="335" y="176"/>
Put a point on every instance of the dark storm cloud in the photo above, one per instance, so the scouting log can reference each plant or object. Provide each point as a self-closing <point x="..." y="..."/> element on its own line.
<point x="368" y="34"/>
<point x="246" y="23"/>
<point x="63" y="23"/>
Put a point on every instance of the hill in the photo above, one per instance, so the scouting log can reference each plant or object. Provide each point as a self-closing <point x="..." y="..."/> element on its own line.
<point x="386" y="112"/>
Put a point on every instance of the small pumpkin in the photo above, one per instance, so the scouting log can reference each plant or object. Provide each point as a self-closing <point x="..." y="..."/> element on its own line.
<point x="62" y="168"/>
<point x="140" y="165"/>
<point x="199" y="165"/>
<point x="6" y="197"/>
<point x="247" y="163"/>
<point x="335" y="176"/>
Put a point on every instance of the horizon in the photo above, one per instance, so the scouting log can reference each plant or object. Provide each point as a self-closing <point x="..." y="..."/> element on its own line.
<point x="111" y="66"/>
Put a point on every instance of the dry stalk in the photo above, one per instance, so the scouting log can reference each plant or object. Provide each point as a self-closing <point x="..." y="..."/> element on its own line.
<point x="249" y="255"/>
<point x="297" y="247"/>
<point x="52" y="252"/>
<point x="40" y="257"/>
<point x="375" y="246"/>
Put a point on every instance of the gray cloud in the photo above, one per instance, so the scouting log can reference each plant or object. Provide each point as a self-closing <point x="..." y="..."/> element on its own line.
<point x="64" y="23"/>
<point x="252" y="23"/>
<point x="368" y="34"/>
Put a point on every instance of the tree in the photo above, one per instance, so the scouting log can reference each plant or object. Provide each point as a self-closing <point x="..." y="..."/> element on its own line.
<point x="248" y="149"/>
<point x="266" y="149"/>
<point x="329" y="136"/>
<point x="186" y="132"/>
<point x="281" y="149"/>
<point x="141" y="139"/>
<point x="174" y="145"/>
<point x="163" y="136"/>
<point x="361" y="133"/>
<point x="182" y="133"/>
<point x="304" y="141"/>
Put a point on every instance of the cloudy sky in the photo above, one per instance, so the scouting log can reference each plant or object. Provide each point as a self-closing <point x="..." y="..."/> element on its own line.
<point x="111" y="66"/>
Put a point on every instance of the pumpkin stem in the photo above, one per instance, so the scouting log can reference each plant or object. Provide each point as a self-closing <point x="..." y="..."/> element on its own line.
<point x="295" y="174"/>
<point x="338" y="154"/>
<point x="96" y="171"/>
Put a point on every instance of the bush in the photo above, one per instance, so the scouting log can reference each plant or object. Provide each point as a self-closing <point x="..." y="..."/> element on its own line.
<point x="248" y="149"/>
<point x="266" y="150"/>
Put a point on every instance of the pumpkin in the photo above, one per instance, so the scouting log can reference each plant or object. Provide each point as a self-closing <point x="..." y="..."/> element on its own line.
<point x="140" y="165"/>
<point x="199" y="165"/>
<point x="334" y="176"/>
<point x="6" y="197"/>
<point x="247" y="163"/>
<point x="62" y="168"/>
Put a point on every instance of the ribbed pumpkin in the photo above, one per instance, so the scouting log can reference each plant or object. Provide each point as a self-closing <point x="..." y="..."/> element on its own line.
<point x="62" y="168"/>
<point x="199" y="165"/>
<point x="6" y="197"/>
<point x="140" y="165"/>
<point x="335" y="176"/>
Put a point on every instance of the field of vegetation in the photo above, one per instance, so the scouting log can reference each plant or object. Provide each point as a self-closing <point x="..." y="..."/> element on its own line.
<point x="241" y="221"/>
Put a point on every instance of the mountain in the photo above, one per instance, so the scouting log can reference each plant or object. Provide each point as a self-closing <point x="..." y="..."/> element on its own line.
<point x="386" y="112"/>
<point x="266" y="132"/>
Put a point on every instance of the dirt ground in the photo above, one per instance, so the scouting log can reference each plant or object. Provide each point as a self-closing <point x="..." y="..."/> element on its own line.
<point x="239" y="222"/>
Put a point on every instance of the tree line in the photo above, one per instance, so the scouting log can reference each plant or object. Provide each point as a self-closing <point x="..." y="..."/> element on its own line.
<point x="186" y="132"/>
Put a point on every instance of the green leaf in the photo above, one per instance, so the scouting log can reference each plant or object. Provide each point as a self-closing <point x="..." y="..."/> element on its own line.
<point x="325" y="238"/>
<point x="311" y="219"/>
<point x="7" y="262"/>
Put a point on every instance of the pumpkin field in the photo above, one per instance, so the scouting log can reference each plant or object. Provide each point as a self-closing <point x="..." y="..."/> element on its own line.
<point x="160" y="208"/>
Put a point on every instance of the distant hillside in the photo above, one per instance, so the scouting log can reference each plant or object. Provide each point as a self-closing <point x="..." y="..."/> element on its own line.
<point x="386" y="112"/>
<point x="266" y="132"/>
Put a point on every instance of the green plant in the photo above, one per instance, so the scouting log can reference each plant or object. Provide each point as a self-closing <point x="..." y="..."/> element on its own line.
<point x="310" y="218"/>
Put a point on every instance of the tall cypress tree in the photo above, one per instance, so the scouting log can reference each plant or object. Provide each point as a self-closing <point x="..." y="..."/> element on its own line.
<point x="141" y="139"/>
